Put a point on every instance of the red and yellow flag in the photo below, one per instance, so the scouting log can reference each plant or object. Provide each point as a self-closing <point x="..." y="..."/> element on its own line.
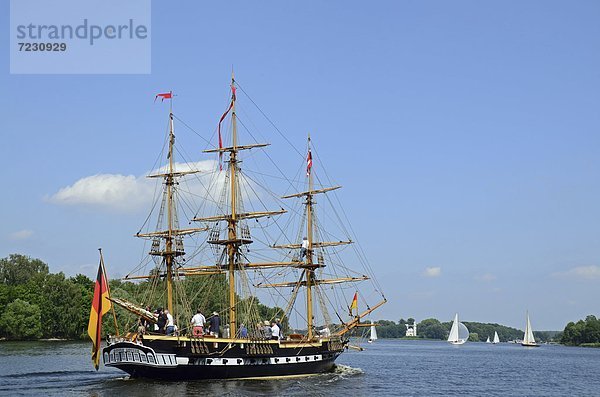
<point x="100" y="306"/>
<point x="354" y="305"/>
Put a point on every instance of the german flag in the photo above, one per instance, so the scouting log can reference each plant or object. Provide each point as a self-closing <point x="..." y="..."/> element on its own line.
<point x="100" y="306"/>
<point x="354" y="305"/>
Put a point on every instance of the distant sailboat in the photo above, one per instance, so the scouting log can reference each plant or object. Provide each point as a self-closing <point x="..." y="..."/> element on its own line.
<point x="373" y="333"/>
<point x="488" y="340"/>
<point x="459" y="333"/>
<point x="528" y="339"/>
<point x="496" y="339"/>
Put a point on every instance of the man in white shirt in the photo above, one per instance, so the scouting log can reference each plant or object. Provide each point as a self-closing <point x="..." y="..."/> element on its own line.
<point x="198" y="323"/>
<point x="170" y="324"/>
<point x="304" y="248"/>
<point x="274" y="331"/>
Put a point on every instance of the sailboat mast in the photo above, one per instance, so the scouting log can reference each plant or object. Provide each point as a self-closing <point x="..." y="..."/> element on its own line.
<point x="169" y="254"/>
<point x="232" y="233"/>
<point x="309" y="253"/>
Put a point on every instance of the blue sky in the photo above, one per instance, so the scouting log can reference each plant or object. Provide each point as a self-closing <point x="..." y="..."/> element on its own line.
<point x="465" y="133"/>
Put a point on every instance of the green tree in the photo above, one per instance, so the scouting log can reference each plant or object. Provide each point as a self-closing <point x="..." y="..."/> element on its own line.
<point x="592" y="330"/>
<point x="583" y="331"/>
<point x="389" y="329"/>
<point x="62" y="306"/>
<point x="19" y="269"/>
<point x="21" y="320"/>
<point x="431" y="328"/>
<point x="578" y="333"/>
<point x="473" y="337"/>
<point x="86" y="291"/>
<point x="485" y="330"/>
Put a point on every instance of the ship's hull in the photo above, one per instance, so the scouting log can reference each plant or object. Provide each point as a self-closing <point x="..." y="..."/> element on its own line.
<point x="171" y="358"/>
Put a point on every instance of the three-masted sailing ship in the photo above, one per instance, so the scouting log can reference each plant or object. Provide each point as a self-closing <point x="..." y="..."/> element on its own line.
<point x="224" y="276"/>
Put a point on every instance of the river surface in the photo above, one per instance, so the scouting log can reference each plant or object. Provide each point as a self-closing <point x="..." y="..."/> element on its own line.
<point x="385" y="368"/>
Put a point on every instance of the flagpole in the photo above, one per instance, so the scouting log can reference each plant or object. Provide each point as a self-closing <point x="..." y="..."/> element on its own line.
<point x="112" y="307"/>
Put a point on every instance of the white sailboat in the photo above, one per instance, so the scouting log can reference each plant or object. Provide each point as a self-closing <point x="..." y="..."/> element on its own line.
<point x="373" y="336"/>
<point x="488" y="340"/>
<point x="496" y="339"/>
<point x="459" y="333"/>
<point x="528" y="339"/>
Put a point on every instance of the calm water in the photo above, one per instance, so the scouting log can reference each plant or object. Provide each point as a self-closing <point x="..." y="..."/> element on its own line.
<point x="386" y="368"/>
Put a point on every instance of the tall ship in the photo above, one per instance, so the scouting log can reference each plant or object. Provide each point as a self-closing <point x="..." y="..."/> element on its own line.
<point x="281" y="294"/>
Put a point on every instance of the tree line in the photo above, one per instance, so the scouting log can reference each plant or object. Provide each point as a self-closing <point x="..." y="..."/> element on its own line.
<point x="582" y="333"/>
<point x="35" y="303"/>
<point x="432" y="328"/>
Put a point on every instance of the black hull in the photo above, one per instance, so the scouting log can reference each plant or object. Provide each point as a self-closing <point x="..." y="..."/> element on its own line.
<point x="193" y="372"/>
<point x="196" y="359"/>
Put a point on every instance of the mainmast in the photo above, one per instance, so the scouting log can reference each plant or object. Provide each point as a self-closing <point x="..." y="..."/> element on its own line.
<point x="232" y="246"/>
<point x="235" y="239"/>
<point x="238" y="233"/>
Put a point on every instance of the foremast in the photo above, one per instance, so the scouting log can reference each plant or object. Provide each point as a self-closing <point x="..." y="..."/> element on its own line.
<point x="171" y="236"/>
<point x="169" y="253"/>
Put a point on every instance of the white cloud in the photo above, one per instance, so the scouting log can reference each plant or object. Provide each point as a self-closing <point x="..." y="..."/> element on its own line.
<point x="124" y="193"/>
<point x="201" y="166"/>
<point x="486" y="277"/>
<point x="432" y="271"/>
<point x="21" y="234"/>
<point x="113" y="191"/>
<point x="591" y="272"/>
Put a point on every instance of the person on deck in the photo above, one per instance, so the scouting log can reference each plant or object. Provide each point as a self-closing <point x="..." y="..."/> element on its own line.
<point x="243" y="331"/>
<point x="161" y="321"/>
<point x="215" y="324"/>
<point x="278" y="322"/>
<point x="170" y="323"/>
<point x="258" y="332"/>
<point x="198" y="323"/>
<point x="274" y="331"/>
<point x="266" y="330"/>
